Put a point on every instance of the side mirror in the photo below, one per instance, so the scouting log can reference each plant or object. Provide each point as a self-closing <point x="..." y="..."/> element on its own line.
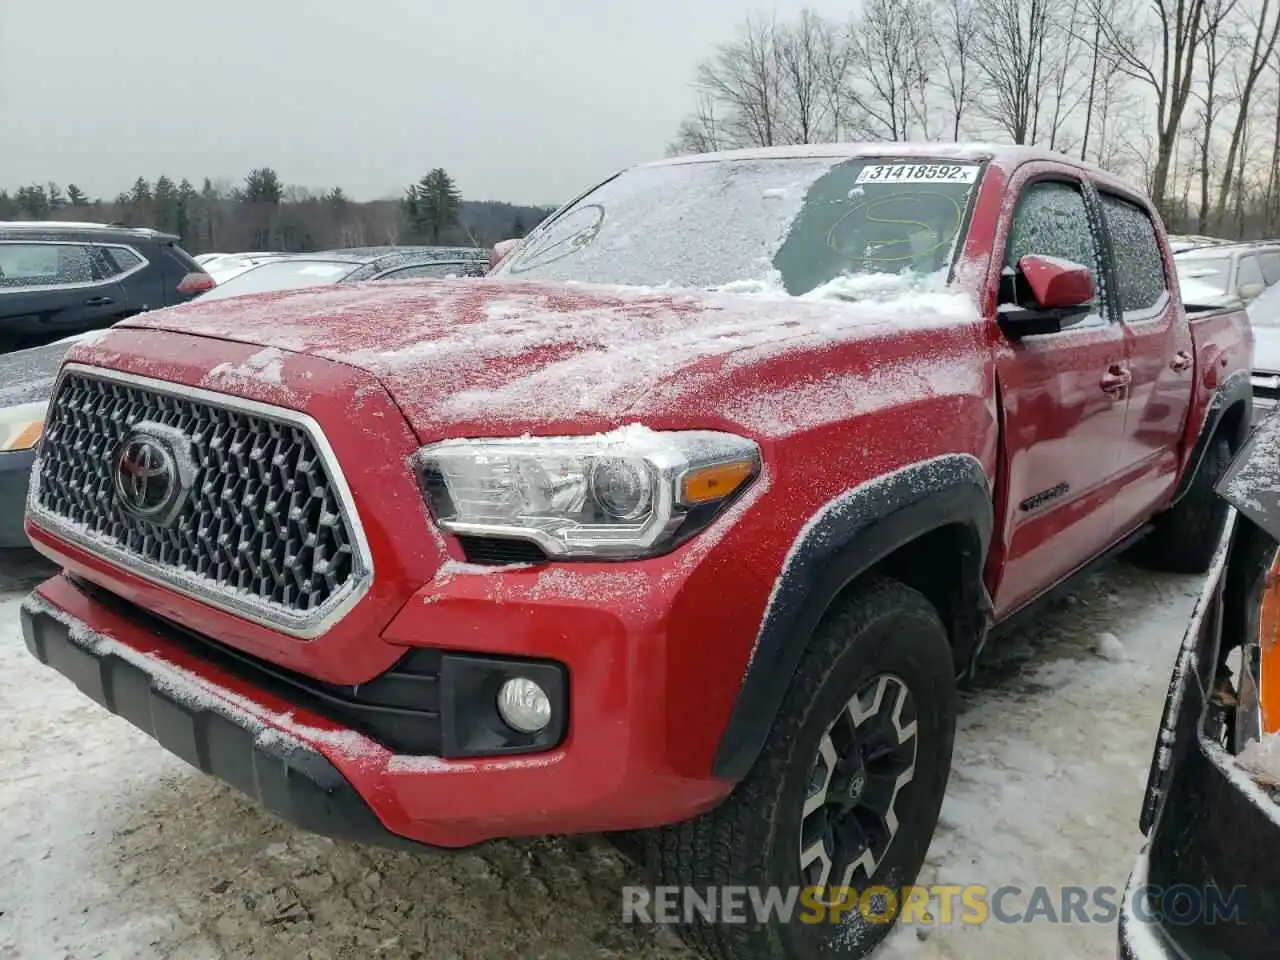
<point x="501" y="251"/>
<point x="1044" y="295"/>
<point x="1251" y="291"/>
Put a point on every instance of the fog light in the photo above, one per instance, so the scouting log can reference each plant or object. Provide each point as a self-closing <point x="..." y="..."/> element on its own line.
<point x="524" y="705"/>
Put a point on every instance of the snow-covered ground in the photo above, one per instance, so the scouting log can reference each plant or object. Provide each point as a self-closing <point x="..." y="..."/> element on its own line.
<point x="111" y="848"/>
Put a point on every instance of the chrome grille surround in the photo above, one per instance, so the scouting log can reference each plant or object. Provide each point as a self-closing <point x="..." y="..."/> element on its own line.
<point x="270" y="521"/>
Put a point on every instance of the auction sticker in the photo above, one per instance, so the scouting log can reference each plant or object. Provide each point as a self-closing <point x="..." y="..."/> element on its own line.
<point x="919" y="173"/>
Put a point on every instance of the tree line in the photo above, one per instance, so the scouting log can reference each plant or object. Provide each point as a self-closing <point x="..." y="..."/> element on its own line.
<point x="1182" y="97"/>
<point x="264" y="213"/>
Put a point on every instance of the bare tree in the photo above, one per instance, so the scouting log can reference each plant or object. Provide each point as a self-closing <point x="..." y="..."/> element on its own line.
<point x="1264" y="22"/>
<point x="1217" y="45"/>
<point x="802" y="54"/>
<point x="744" y="76"/>
<point x="889" y="71"/>
<point x="955" y="38"/>
<point x="1179" y="28"/>
<point x="1011" y="44"/>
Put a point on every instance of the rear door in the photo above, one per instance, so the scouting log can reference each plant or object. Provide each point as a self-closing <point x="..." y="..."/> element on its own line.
<point x="51" y="289"/>
<point x="1062" y="409"/>
<point x="128" y="268"/>
<point x="1159" y="360"/>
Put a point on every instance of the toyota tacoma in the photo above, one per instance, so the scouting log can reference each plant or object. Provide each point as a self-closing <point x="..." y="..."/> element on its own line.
<point x="681" y="525"/>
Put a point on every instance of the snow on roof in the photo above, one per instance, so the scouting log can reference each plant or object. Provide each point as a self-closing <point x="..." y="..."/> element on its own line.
<point x="971" y="152"/>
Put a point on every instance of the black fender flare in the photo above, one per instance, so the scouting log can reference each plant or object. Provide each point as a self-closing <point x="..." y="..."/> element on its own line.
<point x="848" y="536"/>
<point x="1237" y="388"/>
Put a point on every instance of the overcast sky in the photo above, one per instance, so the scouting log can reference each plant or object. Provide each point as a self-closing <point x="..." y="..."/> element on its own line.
<point x="521" y="100"/>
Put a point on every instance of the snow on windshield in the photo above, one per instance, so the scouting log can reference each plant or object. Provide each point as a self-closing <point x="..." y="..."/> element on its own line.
<point x="792" y="225"/>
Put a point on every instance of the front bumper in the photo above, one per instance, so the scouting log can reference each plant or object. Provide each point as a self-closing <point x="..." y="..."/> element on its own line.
<point x="283" y="774"/>
<point x="610" y="773"/>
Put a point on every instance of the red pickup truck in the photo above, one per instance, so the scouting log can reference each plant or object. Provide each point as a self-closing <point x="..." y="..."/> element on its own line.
<point x="685" y="521"/>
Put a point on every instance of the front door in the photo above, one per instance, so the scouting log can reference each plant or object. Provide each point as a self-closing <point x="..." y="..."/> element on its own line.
<point x="1063" y="406"/>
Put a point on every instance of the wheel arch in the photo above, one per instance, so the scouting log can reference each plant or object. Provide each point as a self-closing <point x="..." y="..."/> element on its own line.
<point x="928" y="524"/>
<point x="1229" y="413"/>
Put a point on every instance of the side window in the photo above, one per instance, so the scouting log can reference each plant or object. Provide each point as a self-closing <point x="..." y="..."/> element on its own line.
<point x="1139" y="264"/>
<point x="1270" y="267"/>
<point x="1248" y="274"/>
<point x="25" y="265"/>
<point x="120" y="260"/>
<point x="1052" y="220"/>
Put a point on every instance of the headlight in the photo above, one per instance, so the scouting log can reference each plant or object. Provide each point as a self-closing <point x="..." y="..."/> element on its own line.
<point x="21" y="426"/>
<point x="629" y="493"/>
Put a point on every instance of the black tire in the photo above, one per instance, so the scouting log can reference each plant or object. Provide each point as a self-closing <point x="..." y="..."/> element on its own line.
<point x="1187" y="534"/>
<point x="883" y="629"/>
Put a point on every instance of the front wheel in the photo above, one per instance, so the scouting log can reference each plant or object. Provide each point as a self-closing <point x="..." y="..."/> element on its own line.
<point x="844" y="797"/>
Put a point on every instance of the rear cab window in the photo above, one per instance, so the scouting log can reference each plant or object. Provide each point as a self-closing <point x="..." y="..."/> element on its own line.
<point x="1270" y="263"/>
<point x="1053" y="220"/>
<point x="1248" y="274"/>
<point x="44" y="265"/>
<point x="1141" y="281"/>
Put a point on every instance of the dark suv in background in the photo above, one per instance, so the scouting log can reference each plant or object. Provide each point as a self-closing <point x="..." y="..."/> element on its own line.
<point x="59" y="279"/>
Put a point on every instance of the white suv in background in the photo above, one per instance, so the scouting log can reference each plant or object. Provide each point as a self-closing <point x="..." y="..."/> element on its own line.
<point x="1227" y="273"/>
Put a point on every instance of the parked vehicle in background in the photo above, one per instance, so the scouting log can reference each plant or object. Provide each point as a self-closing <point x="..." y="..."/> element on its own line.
<point x="683" y="522"/>
<point x="1210" y="815"/>
<point x="352" y="266"/>
<point x="26" y="382"/>
<point x="227" y="265"/>
<point x="1264" y="317"/>
<point x="58" y="279"/>
<point x="1235" y="273"/>
<point x="1183" y="242"/>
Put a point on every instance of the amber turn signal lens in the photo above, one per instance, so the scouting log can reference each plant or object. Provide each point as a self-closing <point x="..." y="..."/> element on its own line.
<point x="716" y="483"/>
<point x="1269" y="650"/>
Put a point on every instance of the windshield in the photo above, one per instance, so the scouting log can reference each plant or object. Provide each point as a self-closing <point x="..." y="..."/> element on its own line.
<point x="281" y="275"/>
<point x="1204" y="277"/>
<point x="795" y="224"/>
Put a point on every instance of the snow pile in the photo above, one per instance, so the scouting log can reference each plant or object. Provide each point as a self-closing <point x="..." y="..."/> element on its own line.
<point x="1108" y="646"/>
<point x="1262" y="758"/>
<point x="265" y="366"/>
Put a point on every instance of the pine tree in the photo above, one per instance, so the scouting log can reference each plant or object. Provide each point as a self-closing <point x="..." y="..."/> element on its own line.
<point x="33" y="202"/>
<point x="431" y="204"/>
<point x="8" y="206"/>
<point x="77" y="197"/>
<point x="185" y="208"/>
<point x="164" y="205"/>
<point x="263" y="185"/>
<point x="56" y="198"/>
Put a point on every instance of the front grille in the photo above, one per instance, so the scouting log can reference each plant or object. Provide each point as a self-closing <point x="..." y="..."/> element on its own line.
<point x="262" y="528"/>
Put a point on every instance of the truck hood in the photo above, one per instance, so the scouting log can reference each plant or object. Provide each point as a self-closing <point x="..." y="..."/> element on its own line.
<point x="492" y="356"/>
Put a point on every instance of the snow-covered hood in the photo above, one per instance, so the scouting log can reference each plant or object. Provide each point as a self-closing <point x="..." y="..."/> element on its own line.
<point x="496" y="355"/>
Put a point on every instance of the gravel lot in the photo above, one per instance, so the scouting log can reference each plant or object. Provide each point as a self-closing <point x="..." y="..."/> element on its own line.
<point x="112" y="848"/>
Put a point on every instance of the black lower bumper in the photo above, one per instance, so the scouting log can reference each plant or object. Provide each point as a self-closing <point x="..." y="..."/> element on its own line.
<point x="289" y="779"/>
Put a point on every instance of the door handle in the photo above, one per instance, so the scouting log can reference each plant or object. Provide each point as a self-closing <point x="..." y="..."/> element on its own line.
<point x="98" y="302"/>
<point x="1181" y="361"/>
<point x="1115" y="380"/>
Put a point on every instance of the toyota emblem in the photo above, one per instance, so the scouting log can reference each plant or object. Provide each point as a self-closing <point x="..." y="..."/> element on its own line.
<point x="147" y="478"/>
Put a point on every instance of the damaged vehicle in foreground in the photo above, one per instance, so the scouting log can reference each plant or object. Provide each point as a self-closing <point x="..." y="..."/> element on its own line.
<point x="1208" y="879"/>
<point x="684" y="521"/>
